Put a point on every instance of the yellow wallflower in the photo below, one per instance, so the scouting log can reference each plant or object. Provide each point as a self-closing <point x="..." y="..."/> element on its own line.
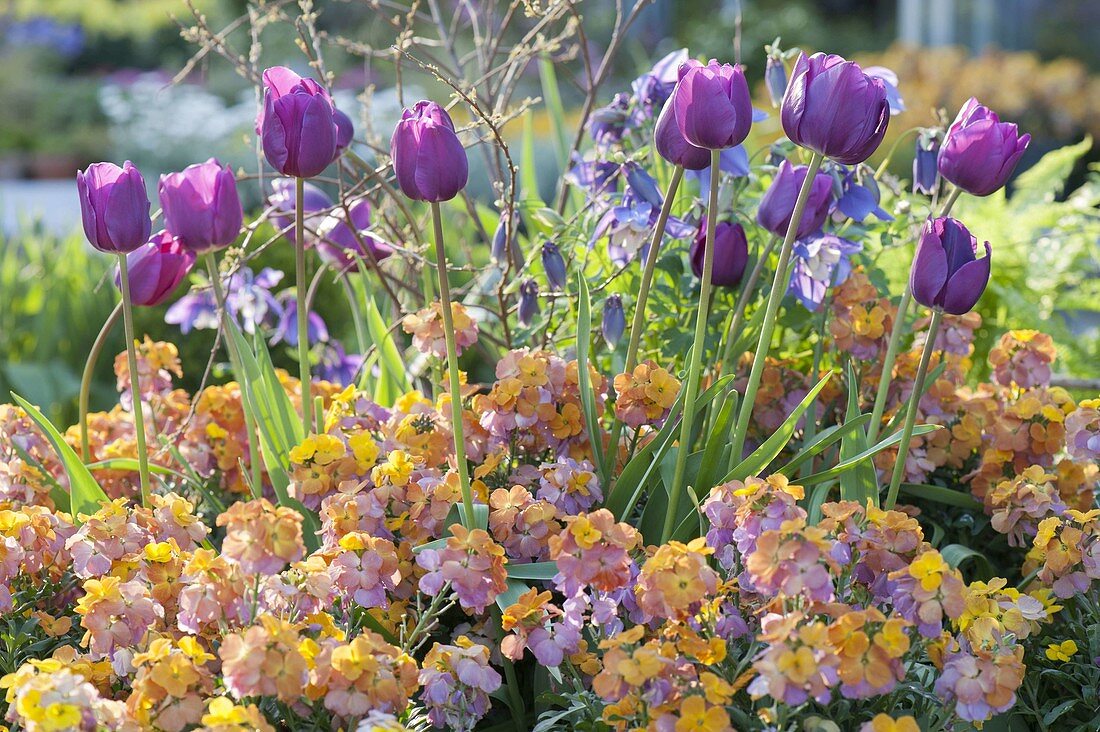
<point x="1061" y="652"/>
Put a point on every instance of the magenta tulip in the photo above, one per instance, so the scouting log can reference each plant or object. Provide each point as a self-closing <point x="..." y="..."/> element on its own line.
<point x="114" y="206"/>
<point x="201" y="206"/>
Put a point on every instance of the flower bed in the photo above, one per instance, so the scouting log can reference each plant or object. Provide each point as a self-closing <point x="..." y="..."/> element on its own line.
<point x="675" y="502"/>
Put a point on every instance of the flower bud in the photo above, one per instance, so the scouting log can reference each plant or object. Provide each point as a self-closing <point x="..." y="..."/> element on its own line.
<point x="946" y="273"/>
<point x="712" y="104"/>
<point x="614" y="320"/>
<point x="156" y="268"/>
<point x="925" y="163"/>
<point x="554" y="265"/>
<point x="731" y="253"/>
<point x="201" y="206"/>
<point x="528" y="302"/>
<point x="980" y="152"/>
<point x="428" y="158"/>
<point x="296" y="125"/>
<point x="114" y="207"/>
<point x="777" y="205"/>
<point x="775" y="78"/>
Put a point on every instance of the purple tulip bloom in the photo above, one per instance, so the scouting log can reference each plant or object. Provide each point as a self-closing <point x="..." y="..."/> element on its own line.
<point x="712" y="104"/>
<point x="925" y="163"/>
<point x="201" y="206"/>
<point x="528" y="302"/>
<point x="287" y="329"/>
<point x="671" y="144"/>
<point x="613" y="323"/>
<point x="731" y="253"/>
<point x="980" y="152"/>
<point x="284" y="206"/>
<point x="819" y="261"/>
<point x="114" y="206"/>
<point x="946" y="272"/>
<point x="345" y="130"/>
<point x="296" y="124"/>
<point x="156" y="269"/>
<point x="835" y="109"/>
<point x="428" y="157"/>
<point x="339" y="244"/>
<point x="777" y="205"/>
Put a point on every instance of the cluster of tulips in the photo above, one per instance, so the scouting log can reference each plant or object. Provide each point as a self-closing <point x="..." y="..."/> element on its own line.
<point x="416" y="563"/>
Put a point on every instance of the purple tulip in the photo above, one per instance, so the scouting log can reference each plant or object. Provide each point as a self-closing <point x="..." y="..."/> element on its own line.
<point x="345" y="130"/>
<point x="114" y="206"/>
<point x="156" y="269"/>
<point x="339" y="244"/>
<point x="613" y="323"/>
<point x="777" y="205"/>
<point x="671" y="145"/>
<point x="946" y="273"/>
<point x="731" y="253"/>
<point x="712" y="105"/>
<point x="428" y="158"/>
<point x="554" y="265"/>
<point x="980" y="152"/>
<point x="833" y="108"/>
<point x="528" y="302"/>
<point x="282" y="201"/>
<point x="925" y="163"/>
<point x="201" y="206"/>
<point x="296" y="124"/>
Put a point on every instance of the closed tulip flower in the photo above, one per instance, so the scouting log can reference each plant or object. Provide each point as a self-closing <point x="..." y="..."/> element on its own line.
<point x="833" y="108"/>
<point x="296" y="124"/>
<point x="428" y="157"/>
<point x="338" y="243"/>
<point x="980" y="151"/>
<point x="671" y="145"/>
<point x="946" y="272"/>
<point x="156" y="268"/>
<point x="345" y="130"/>
<point x="114" y="206"/>
<point x="777" y="205"/>
<point x="201" y="206"/>
<point x="712" y="105"/>
<point x="731" y="253"/>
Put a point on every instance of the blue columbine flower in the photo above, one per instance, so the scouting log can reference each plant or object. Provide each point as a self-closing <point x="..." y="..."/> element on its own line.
<point x="629" y="225"/>
<point x="859" y="195"/>
<point x="287" y="327"/>
<point x="820" y="260"/>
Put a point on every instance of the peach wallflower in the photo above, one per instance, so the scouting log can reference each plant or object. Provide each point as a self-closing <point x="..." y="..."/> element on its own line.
<point x="265" y="660"/>
<point x="261" y="538"/>
<point x="675" y="579"/>
<point x="644" y="396"/>
<point x="426" y="328"/>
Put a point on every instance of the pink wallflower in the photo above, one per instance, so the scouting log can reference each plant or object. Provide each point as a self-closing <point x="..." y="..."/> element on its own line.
<point x="928" y="592"/>
<point x="593" y="551"/>
<point x="426" y="327"/>
<point x="212" y="594"/>
<point x="980" y="682"/>
<point x="798" y="662"/>
<point x="570" y="485"/>
<point x="522" y="524"/>
<point x="365" y="675"/>
<point x="676" y="579"/>
<point x="108" y="536"/>
<point x="365" y="569"/>
<point x="456" y="682"/>
<point x="740" y="512"/>
<point x="1018" y="505"/>
<point x="471" y="562"/>
<point x="260" y="537"/>
<point x="353" y="509"/>
<point x="1023" y="358"/>
<point x="116" y="616"/>
<point x="173" y="517"/>
<point x="265" y="660"/>
<point x="794" y="560"/>
<point x="1083" y="431"/>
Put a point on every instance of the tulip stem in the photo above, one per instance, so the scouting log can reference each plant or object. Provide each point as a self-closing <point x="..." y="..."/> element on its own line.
<point x="950" y="202"/>
<point x="637" y="323"/>
<point x="691" y="383"/>
<point x="301" y="294"/>
<point x="772" y="309"/>
<point x="743" y="301"/>
<point x="452" y="368"/>
<point x="888" y="365"/>
<point x="135" y="379"/>
<point x="911" y="411"/>
<point x="86" y="379"/>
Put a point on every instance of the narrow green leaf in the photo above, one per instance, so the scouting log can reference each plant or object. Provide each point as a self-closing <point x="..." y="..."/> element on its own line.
<point x="818" y="496"/>
<point x="552" y="96"/>
<point x="940" y="494"/>
<point x="534" y="571"/>
<point x="822" y="442"/>
<point x="584" y="381"/>
<point x="956" y="555"/>
<point x="716" y="444"/>
<point x="511" y="595"/>
<point x="393" y="368"/>
<point x="860" y="483"/>
<point x="846" y="465"/>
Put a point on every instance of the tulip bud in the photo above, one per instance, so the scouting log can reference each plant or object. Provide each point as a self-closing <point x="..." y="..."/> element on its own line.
<point x="731" y="253"/>
<point x="114" y="207"/>
<point x="339" y="243"/>
<point x="345" y="130"/>
<point x="833" y="108"/>
<point x="201" y="206"/>
<point x="980" y="152"/>
<point x="296" y="125"/>
<point x="946" y="273"/>
<point x="614" y="320"/>
<point x="284" y="206"/>
<point x="924" y="163"/>
<point x="775" y="78"/>
<point x="428" y="158"/>
<point x="528" y="302"/>
<point x="155" y="269"/>
<point x="671" y="145"/>
<point x="712" y="104"/>
<point x="777" y="205"/>
<point x="554" y="265"/>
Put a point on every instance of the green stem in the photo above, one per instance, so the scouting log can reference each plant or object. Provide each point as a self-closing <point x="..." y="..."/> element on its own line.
<point x="950" y="202"/>
<point x="772" y="308"/>
<point x="86" y="379"/>
<point x="691" y="385"/>
<point x="888" y="365"/>
<point x="452" y="368"/>
<point x="637" y="323"/>
<point x="235" y="362"/>
<point x="911" y="412"/>
<point x="135" y="380"/>
<point x="303" y="307"/>
<point x="743" y="302"/>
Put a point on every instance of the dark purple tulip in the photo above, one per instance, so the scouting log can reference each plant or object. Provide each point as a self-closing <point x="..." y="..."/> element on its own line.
<point x="980" y="152"/>
<point x="777" y="205"/>
<point x="671" y="145"/>
<point x="201" y="206"/>
<point x="428" y="158"/>
<point x="712" y="104"/>
<point x="156" y="269"/>
<point x="775" y="78"/>
<point x="282" y="201"/>
<point x="296" y="125"/>
<point x="613" y="323"/>
<point x="338" y="244"/>
<point x="731" y="253"/>
<point x="925" y="164"/>
<point x="554" y="265"/>
<point x="946" y="273"/>
<point x="528" y="302"/>
<point x="114" y="206"/>
<point x="345" y="130"/>
<point x="833" y="108"/>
